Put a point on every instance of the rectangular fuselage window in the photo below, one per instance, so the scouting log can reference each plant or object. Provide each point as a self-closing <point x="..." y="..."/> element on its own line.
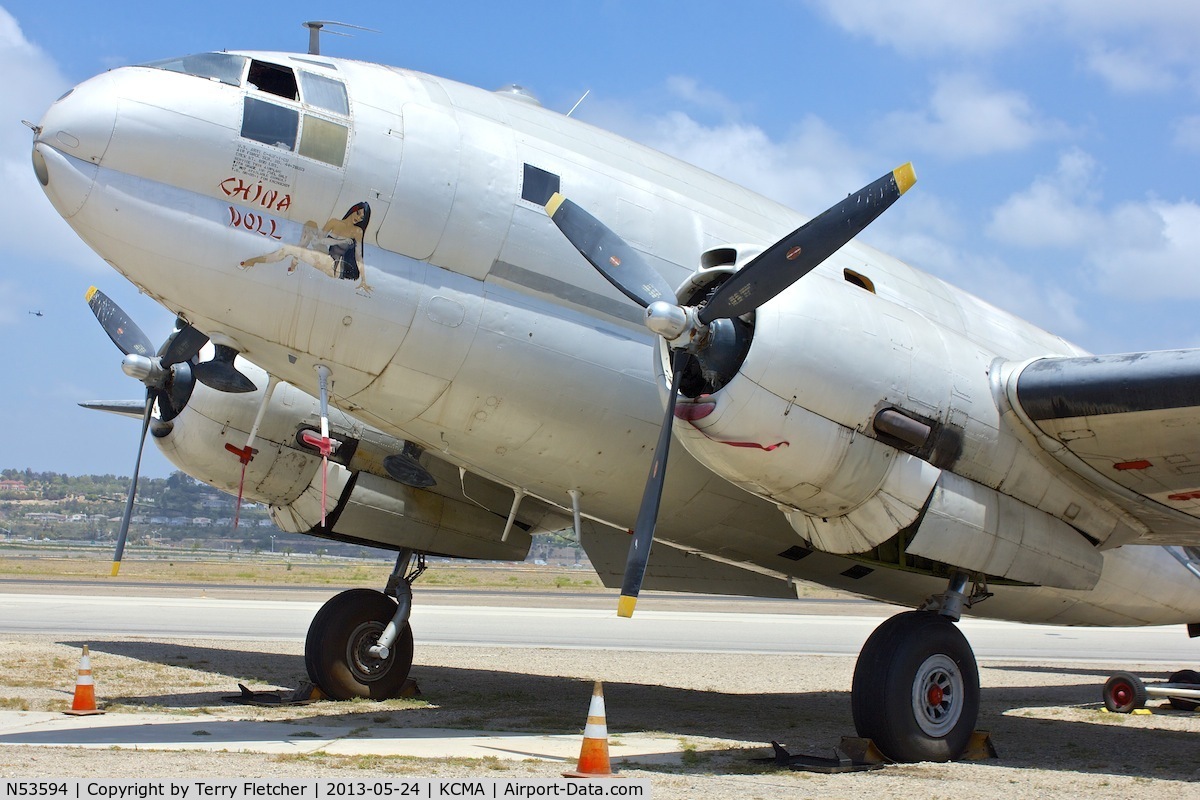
<point x="270" y="123"/>
<point x="323" y="140"/>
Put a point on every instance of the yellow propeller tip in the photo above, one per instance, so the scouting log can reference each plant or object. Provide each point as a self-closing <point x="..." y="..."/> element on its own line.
<point x="553" y="203"/>
<point x="91" y="292"/>
<point x="116" y="566"/>
<point x="625" y="606"/>
<point x="905" y="176"/>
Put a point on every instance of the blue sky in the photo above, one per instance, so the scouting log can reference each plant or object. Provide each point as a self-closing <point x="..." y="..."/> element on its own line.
<point x="1055" y="141"/>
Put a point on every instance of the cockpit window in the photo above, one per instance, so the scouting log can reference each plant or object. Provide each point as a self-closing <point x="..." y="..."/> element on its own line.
<point x="221" y="67"/>
<point x="273" y="79"/>
<point x="324" y="93"/>
<point x="270" y="124"/>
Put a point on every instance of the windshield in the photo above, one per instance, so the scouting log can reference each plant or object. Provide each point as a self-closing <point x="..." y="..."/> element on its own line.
<point x="221" y="67"/>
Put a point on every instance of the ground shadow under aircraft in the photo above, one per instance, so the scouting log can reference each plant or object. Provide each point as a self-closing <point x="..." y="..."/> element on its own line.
<point x="1019" y="717"/>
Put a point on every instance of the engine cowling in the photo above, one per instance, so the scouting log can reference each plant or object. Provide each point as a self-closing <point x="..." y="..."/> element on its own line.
<point x="364" y="504"/>
<point x="795" y="422"/>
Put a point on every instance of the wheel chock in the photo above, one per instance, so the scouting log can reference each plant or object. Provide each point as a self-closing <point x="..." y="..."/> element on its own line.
<point x="840" y="763"/>
<point x="980" y="747"/>
<point x="862" y="750"/>
<point x="307" y="693"/>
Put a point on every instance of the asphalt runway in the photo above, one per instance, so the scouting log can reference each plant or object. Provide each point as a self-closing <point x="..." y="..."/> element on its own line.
<point x="817" y="628"/>
<point x="506" y="678"/>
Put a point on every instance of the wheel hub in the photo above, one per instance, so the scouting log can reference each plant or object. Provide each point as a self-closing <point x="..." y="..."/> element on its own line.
<point x="365" y="666"/>
<point x="938" y="695"/>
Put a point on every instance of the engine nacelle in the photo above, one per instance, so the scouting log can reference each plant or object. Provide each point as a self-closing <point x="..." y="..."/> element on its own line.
<point x="849" y="410"/>
<point x="363" y="503"/>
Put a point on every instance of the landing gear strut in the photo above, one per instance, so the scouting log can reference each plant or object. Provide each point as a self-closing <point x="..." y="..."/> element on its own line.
<point x="916" y="684"/>
<point x="360" y="643"/>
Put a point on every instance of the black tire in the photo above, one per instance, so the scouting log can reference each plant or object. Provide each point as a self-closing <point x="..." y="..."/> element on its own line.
<point x="1123" y="693"/>
<point x="916" y="688"/>
<point x="335" y="652"/>
<point x="1184" y="676"/>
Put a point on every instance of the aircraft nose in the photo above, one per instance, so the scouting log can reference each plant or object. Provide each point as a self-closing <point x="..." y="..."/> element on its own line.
<point x="80" y="123"/>
<point x="71" y="141"/>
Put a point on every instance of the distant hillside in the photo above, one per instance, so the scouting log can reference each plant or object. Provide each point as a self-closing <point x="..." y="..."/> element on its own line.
<point x="178" y="511"/>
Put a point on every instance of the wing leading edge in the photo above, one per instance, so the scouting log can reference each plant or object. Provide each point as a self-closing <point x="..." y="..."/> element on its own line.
<point x="1131" y="425"/>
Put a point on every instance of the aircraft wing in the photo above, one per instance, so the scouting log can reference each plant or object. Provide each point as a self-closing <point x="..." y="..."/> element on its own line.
<point x="1129" y="424"/>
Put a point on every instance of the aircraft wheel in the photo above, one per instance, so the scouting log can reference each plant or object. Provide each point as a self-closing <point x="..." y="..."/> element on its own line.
<point x="1184" y="676"/>
<point x="916" y="688"/>
<point x="336" y="652"/>
<point x="1123" y="693"/>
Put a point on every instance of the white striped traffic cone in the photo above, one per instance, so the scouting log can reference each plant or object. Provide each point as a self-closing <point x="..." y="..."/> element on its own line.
<point x="84" y="702"/>
<point x="593" y="756"/>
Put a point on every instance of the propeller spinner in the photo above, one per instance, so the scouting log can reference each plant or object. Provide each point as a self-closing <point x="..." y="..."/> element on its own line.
<point x="694" y="330"/>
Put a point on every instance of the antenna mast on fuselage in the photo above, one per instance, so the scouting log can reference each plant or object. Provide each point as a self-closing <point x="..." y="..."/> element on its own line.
<point x="314" y="32"/>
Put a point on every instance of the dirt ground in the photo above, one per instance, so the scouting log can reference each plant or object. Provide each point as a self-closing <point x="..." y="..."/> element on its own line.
<point x="1052" y="739"/>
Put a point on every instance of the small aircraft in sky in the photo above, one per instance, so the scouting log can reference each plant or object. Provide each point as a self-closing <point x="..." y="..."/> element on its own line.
<point x="437" y="319"/>
<point x="37" y="313"/>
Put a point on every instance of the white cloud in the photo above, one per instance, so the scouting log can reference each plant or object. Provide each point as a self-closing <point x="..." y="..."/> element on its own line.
<point x="927" y="234"/>
<point x="1130" y="72"/>
<point x="38" y="237"/>
<point x="808" y="169"/>
<point x="1144" y="250"/>
<point x="1134" y="47"/>
<point x="1153" y="251"/>
<point x="929" y="27"/>
<point x="813" y="165"/>
<point x="1056" y="211"/>
<point x="966" y="118"/>
<point x="691" y="92"/>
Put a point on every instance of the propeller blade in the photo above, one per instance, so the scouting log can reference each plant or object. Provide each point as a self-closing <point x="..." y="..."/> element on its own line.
<point x="123" y="331"/>
<point x="798" y="253"/>
<point x="137" y="467"/>
<point x="182" y="345"/>
<point x="623" y="266"/>
<point x="643" y="530"/>
<point x="221" y="374"/>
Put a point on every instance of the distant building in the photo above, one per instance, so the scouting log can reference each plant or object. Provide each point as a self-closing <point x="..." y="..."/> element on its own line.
<point x="45" y="516"/>
<point x="13" y="486"/>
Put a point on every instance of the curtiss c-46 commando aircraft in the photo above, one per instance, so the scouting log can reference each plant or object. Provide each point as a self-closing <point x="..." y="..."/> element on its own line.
<point x="411" y="351"/>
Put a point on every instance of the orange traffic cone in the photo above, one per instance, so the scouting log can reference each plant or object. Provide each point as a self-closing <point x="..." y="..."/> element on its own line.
<point x="593" y="756"/>
<point x="85" y="690"/>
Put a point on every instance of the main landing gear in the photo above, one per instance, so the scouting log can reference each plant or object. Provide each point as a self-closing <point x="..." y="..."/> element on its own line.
<point x="916" y="685"/>
<point x="360" y="644"/>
